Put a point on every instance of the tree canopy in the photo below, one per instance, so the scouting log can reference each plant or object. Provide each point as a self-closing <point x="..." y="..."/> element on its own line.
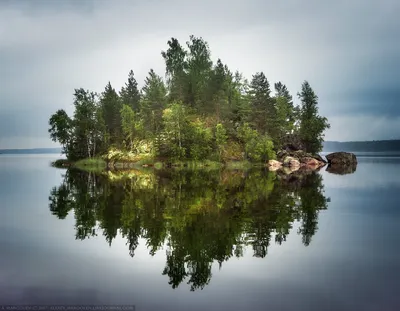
<point x="201" y="110"/>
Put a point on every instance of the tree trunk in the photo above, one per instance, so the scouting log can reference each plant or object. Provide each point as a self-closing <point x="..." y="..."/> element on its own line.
<point x="88" y="146"/>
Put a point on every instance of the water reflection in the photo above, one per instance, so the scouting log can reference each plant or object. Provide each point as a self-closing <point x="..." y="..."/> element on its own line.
<point x="200" y="216"/>
<point x="341" y="169"/>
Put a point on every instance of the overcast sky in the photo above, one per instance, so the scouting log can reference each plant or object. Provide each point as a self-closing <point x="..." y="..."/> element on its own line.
<point x="349" y="51"/>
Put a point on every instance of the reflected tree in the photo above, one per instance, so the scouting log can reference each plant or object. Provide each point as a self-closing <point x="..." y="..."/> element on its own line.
<point x="200" y="217"/>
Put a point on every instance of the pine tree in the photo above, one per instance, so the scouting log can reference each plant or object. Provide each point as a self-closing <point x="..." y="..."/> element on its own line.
<point x="111" y="107"/>
<point x="154" y="97"/>
<point x="263" y="111"/>
<point x="312" y="126"/>
<point x="130" y="94"/>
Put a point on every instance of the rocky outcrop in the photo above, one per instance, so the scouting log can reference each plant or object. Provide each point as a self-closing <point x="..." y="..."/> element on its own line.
<point x="289" y="161"/>
<point x="300" y="158"/>
<point x="292" y="142"/>
<point x="341" y="158"/>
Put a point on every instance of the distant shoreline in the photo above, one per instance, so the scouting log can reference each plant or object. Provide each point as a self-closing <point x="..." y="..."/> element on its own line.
<point x="31" y="151"/>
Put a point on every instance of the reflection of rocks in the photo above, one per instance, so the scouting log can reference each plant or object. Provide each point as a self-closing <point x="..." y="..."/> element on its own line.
<point x="290" y="169"/>
<point x="341" y="169"/>
<point x="342" y="158"/>
<point x="274" y="165"/>
<point x="341" y="163"/>
<point x="294" y="178"/>
<point x="291" y="162"/>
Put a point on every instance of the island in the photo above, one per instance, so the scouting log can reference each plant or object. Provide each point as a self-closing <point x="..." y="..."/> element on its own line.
<point x="201" y="114"/>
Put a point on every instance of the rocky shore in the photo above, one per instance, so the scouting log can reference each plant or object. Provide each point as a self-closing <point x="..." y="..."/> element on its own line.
<point x="290" y="161"/>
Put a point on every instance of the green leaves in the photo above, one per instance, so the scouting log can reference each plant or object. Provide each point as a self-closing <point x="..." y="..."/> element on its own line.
<point x="312" y="126"/>
<point x="220" y="138"/>
<point x="130" y="94"/>
<point x="154" y="96"/>
<point x="194" y="114"/>
<point x="60" y="127"/>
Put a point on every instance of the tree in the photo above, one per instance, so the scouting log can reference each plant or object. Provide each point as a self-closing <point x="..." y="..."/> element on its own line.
<point x="219" y="88"/>
<point x="199" y="66"/>
<point x="263" y="110"/>
<point x="241" y="109"/>
<point x="198" y="139"/>
<point x="111" y="107"/>
<point x="154" y="97"/>
<point x="287" y="114"/>
<point x="312" y="126"/>
<point x="130" y="94"/>
<point x="175" y="62"/>
<point x="85" y="123"/>
<point x="128" y="124"/>
<point x="60" y="129"/>
<point x="175" y="123"/>
<point x="220" y="139"/>
<point x="132" y="126"/>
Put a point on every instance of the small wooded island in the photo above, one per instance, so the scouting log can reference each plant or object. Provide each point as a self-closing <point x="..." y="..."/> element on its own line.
<point x="202" y="114"/>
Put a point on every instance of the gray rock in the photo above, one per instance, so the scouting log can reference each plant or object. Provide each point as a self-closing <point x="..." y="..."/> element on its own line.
<point x="341" y="158"/>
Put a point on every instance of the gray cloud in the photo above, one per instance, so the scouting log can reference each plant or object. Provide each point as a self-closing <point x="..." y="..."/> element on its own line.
<point x="348" y="51"/>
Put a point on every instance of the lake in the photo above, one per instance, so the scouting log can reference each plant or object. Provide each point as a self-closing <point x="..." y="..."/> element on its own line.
<point x="200" y="240"/>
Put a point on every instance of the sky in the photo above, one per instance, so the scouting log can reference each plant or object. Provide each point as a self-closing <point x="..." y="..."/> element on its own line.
<point x="349" y="51"/>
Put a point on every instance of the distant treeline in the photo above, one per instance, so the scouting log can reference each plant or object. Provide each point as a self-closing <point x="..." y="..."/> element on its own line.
<point x="31" y="151"/>
<point x="362" y="146"/>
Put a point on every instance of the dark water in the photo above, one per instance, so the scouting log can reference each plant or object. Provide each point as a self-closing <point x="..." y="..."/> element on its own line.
<point x="201" y="240"/>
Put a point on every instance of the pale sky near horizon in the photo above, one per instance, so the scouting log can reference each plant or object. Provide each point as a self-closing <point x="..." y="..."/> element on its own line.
<point x="349" y="51"/>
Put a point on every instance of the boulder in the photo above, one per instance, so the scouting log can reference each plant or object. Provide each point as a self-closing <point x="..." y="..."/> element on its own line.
<point x="341" y="158"/>
<point x="319" y="158"/>
<point x="307" y="161"/>
<point x="291" y="162"/>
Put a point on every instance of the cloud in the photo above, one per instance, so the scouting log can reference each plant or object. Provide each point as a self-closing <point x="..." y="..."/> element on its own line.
<point x="363" y="127"/>
<point x="348" y="51"/>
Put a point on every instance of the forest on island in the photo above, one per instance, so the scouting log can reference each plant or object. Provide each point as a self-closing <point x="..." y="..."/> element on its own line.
<point x="200" y="110"/>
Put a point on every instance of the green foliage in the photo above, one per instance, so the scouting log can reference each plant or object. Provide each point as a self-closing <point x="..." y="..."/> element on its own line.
<point x="92" y="164"/>
<point x="264" y="149"/>
<point x="111" y="109"/>
<point x="203" y="111"/>
<point x="199" y="142"/>
<point x="132" y="127"/>
<point x="175" y="125"/>
<point x="263" y="110"/>
<point x="312" y="126"/>
<point x="154" y="96"/>
<point x="130" y="94"/>
<point x="175" y="62"/>
<point x="220" y="138"/>
<point x="60" y="128"/>
<point x="258" y="148"/>
<point x="287" y="114"/>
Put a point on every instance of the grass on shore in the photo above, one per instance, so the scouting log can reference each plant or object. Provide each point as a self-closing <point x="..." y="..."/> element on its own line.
<point x="99" y="164"/>
<point x="91" y="164"/>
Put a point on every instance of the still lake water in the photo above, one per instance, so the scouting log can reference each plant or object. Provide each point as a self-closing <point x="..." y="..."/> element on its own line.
<point x="201" y="240"/>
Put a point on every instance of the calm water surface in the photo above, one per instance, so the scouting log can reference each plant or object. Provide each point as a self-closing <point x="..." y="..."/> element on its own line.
<point x="200" y="240"/>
